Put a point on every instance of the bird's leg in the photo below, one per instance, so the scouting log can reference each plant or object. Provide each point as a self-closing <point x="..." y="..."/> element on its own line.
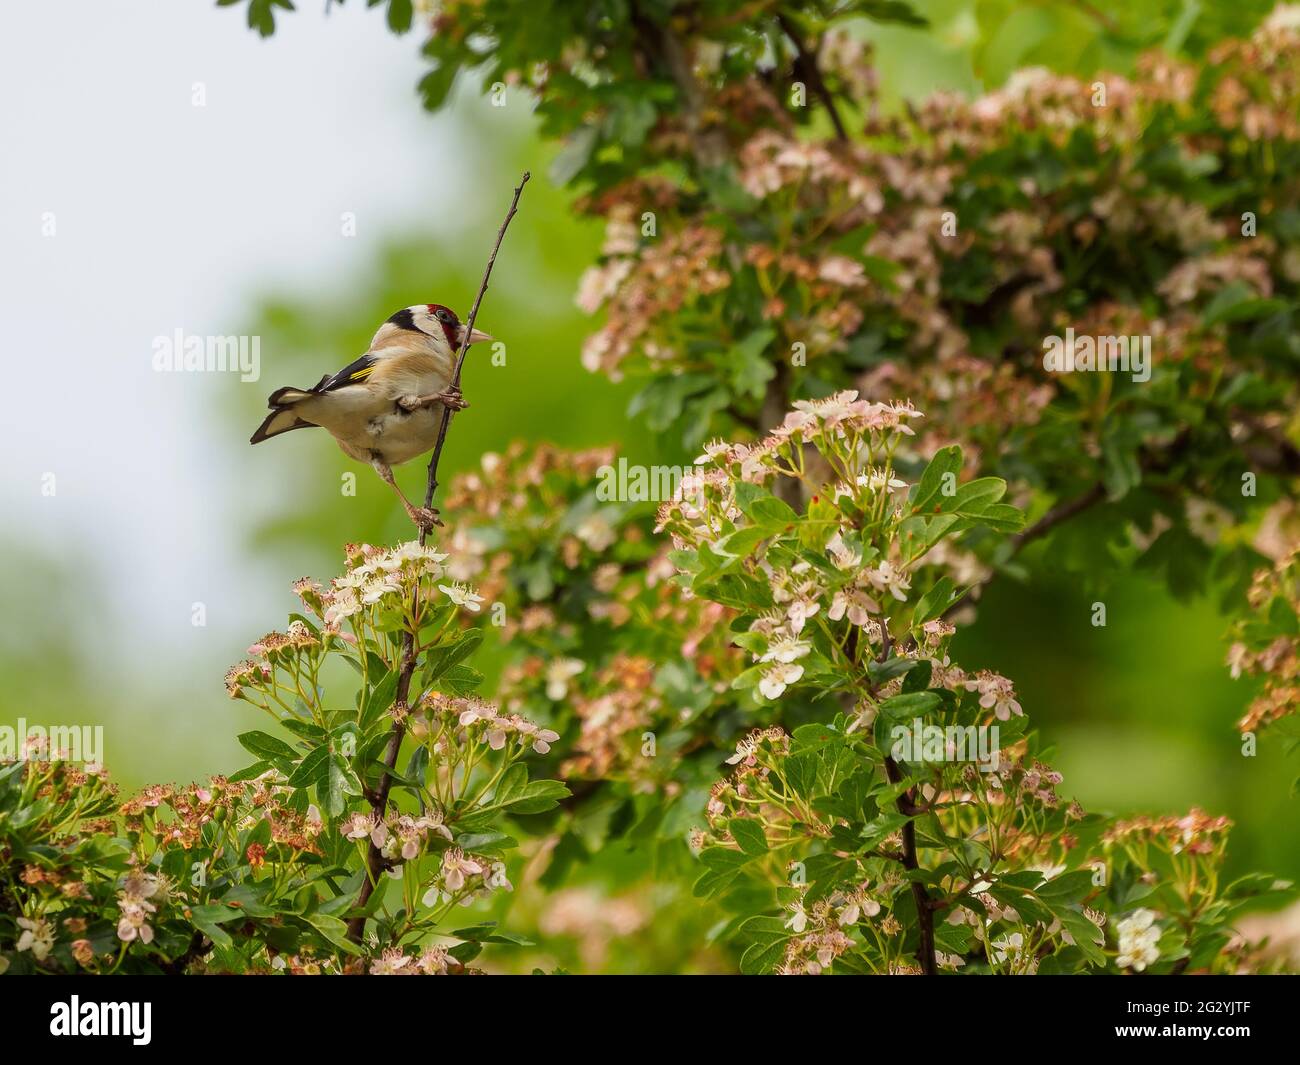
<point x="449" y="398"/>
<point x="424" y="517"/>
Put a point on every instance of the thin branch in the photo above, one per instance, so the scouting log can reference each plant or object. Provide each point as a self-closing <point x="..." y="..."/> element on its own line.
<point x="806" y="64"/>
<point x="1059" y="514"/>
<point x="906" y="805"/>
<point x="464" y="345"/>
<point x="925" y="906"/>
<point x="375" y="861"/>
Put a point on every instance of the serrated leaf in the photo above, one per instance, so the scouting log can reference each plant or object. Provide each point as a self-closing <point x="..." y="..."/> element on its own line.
<point x="267" y="747"/>
<point x="749" y="834"/>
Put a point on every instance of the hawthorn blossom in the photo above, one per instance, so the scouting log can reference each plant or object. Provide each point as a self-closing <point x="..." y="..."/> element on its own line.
<point x="786" y="649"/>
<point x="996" y="692"/>
<point x="853" y="603"/>
<point x="357" y="826"/>
<point x="841" y="554"/>
<point x="778" y="678"/>
<point x="595" y="532"/>
<point x="888" y="578"/>
<point x="1138" y="939"/>
<point x="540" y="738"/>
<point x="843" y="271"/>
<point x="801" y="607"/>
<point x="37" y="936"/>
<point x="392" y="962"/>
<point x="745" y="749"/>
<point x="455" y="866"/>
<point x="462" y="595"/>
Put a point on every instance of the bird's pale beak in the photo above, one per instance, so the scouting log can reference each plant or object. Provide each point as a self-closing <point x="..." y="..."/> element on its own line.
<point x="477" y="336"/>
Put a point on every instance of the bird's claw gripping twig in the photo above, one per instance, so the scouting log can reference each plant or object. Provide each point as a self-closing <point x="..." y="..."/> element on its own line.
<point x="450" y="398"/>
<point x="425" y="518"/>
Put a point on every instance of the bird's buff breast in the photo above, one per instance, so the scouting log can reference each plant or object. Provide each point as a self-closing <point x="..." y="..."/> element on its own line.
<point x="396" y="437"/>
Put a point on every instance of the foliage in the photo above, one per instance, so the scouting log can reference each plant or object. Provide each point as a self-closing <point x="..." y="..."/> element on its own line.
<point x="283" y="864"/>
<point x="782" y="257"/>
<point x="921" y="820"/>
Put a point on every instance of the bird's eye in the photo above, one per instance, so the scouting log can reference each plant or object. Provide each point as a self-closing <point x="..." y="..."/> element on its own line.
<point x="444" y="315"/>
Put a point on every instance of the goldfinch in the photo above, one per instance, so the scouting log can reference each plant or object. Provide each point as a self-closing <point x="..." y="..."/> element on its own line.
<point x="384" y="408"/>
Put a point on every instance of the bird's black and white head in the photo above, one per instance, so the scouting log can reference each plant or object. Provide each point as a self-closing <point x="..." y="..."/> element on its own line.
<point x="440" y="324"/>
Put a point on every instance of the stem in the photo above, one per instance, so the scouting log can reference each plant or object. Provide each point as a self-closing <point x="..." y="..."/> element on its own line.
<point x="925" y="906"/>
<point x="464" y="346"/>
<point x="375" y="861"/>
<point x="806" y="64"/>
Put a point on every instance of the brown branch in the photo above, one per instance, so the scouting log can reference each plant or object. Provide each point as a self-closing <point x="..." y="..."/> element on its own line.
<point x="378" y="798"/>
<point x="906" y="804"/>
<point x="464" y="345"/>
<point x="1059" y="514"/>
<point x="925" y="906"/>
<point x="805" y="66"/>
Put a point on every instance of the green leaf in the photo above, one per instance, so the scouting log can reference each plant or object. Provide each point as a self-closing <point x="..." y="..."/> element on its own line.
<point x="460" y="680"/>
<point x="909" y="704"/>
<point x="750" y="369"/>
<point x="488" y="932"/>
<point x="399" y="15"/>
<point x="536" y="796"/>
<point x="379" y="698"/>
<point x="749" y="834"/>
<point x="723" y="858"/>
<point x="250" y="773"/>
<point x="928" y="489"/>
<point x="338" y="782"/>
<point x="310" y="769"/>
<point x="267" y="747"/>
<point x="760" y="958"/>
<point x="880" y="672"/>
<point x="1069" y="887"/>
<point x="466" y="952"/>
<point x="440" y="659"/>
<point x="934" y="602"/>
<point x="334" y="929"/>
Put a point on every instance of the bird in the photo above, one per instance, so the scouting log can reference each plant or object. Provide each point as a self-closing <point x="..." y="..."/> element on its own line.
<point x="381" y="406"/>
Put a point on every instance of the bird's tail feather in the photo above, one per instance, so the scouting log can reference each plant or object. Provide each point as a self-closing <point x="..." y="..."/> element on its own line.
<point x="282" y="418"/>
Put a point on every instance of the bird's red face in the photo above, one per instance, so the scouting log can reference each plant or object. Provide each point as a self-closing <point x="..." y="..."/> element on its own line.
<point x="446" y="318"/>
<point x="451" y="326"/>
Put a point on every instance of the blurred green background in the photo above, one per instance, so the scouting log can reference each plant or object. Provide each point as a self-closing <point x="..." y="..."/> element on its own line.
<point x="1141" y="712"/>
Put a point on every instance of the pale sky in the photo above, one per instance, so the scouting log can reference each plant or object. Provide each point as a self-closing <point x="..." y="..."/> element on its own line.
<point x="172" y="216"/>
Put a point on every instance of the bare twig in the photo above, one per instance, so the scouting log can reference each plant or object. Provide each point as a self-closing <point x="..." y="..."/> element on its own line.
<point x="1058" y="515"/>
<point x="805" y="64"/>
<point x="906" y="804"/>
<point x="378" y="798"/>
<point x="464" y="345"/>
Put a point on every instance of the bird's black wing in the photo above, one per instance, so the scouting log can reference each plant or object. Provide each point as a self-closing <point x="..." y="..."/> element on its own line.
<point x="355" y="371"/>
